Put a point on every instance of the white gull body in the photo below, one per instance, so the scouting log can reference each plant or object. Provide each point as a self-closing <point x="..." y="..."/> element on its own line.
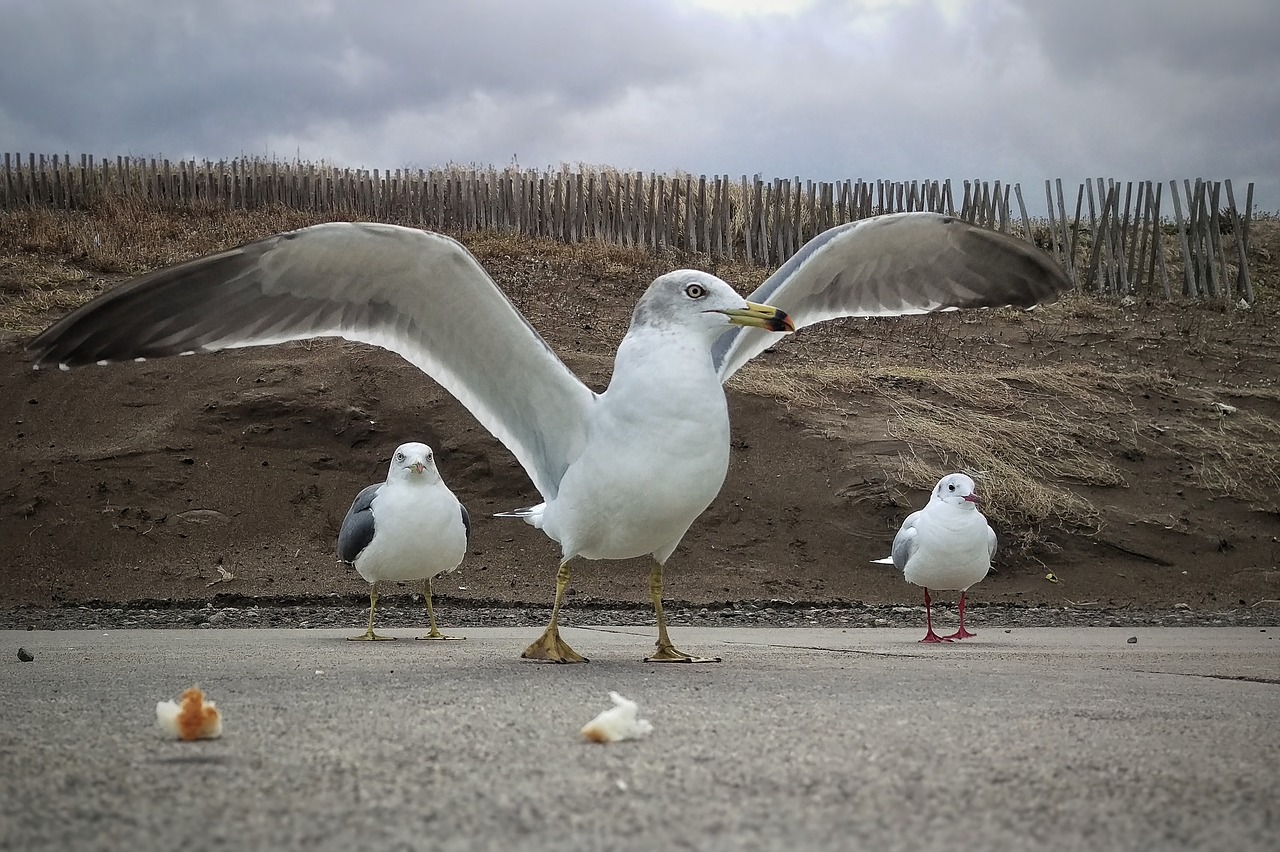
<point x="947" y="545"/>
<point x="410" y="527"/>
<point x="663" y="404"/>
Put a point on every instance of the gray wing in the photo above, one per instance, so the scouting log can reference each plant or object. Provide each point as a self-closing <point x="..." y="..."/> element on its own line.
<point x="904" y="543"/>
<point x="419" y="294"/>
<point x="358" y="526"/>
<point x="901" y="263"/>
<point x="991" y="542"/>
<point x="466" y="521"/>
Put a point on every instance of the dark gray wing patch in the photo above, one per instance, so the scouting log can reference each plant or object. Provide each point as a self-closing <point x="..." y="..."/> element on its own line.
<point x="358" y="526"/>
<point x="466" y="521"/>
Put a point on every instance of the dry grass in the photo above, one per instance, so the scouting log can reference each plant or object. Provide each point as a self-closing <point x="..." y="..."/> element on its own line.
<point x="126" y="235"/>
<point x="1236" y="455"/>
<point x="1034" y="436"/>
<point x="1028" y="434"/>
<point x="32" y="287"/>
<point x="1023" y="463"/>
<point x="48" y="258"/>
<point x="1071" y="385"/>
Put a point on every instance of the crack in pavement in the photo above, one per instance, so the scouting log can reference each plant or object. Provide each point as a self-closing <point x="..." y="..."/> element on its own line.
<point x="1246" y="678"/>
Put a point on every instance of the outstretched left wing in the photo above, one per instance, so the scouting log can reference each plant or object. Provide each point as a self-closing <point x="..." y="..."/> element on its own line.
<point x="415" y="293"/>
<point x="901" y="263"/>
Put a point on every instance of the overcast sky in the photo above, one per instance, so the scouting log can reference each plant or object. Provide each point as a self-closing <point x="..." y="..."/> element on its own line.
<point x="1016" y="90"/>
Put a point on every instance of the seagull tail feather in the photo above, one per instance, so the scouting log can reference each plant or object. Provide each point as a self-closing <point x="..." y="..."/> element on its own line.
<point x="531" y="515"/>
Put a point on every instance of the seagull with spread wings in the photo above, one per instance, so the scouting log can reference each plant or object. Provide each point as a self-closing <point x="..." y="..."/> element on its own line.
<point x="623" y="473"/>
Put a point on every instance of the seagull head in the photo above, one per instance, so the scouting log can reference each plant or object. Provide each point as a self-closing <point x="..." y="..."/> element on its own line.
<point x="413" y="462"/>
<point x="698" y="301"/>
<point x="956" y="489"/>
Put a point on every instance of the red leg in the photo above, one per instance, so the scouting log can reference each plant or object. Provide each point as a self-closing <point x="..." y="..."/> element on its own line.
<point x="961" y="633"/>
<point x="930" y="637"/>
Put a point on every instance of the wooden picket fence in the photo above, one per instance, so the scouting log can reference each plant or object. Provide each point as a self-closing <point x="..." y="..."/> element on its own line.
<point x="1123" y="248"/>
<point x="1127" y="245"/>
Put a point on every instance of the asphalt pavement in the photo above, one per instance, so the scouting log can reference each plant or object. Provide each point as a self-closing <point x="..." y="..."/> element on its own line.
<point x="1035" y="738"/>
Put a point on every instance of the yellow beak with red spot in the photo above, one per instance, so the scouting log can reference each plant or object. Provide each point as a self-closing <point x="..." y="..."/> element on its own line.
<point x="760" y="316"/>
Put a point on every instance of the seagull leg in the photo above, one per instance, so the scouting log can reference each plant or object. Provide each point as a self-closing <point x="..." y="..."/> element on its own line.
<point x="961" y="633"/>
<point x="549" y="647"/>
<point x="667" y="653"/>
<point x="930" y="637"/>
<point x="369" y="635"/>
<point x="431" y="616"/>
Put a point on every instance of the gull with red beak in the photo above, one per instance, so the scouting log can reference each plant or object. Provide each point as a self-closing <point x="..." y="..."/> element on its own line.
<point x="623" y="473"/>
<point x="410" y="527"/>
<point x="946" y="545"/>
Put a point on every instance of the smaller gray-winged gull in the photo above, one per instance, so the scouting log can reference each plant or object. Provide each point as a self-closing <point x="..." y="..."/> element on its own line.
<point x="946" y="545"/>
<point x="410" y="527"/>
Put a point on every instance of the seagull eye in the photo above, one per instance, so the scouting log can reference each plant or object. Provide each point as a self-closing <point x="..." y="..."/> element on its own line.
<point x="695" y="291"/>
<point x="951" y="488"/>
<point x="399" y="456"/>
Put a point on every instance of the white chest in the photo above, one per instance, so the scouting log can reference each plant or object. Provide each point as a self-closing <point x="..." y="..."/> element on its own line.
<point x="655" y="459"/>
<point x="951" y="552"/>
<point x="419" y="534"/>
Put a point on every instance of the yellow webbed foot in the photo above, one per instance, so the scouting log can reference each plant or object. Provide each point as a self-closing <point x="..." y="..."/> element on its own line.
<point x="370" y="636"/>
<point x="436" y="635"/>
<point x="669" y="653"/>
<point x="550" y="648"/>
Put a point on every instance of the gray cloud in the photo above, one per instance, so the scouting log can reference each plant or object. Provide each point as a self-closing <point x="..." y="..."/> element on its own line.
<point x="1222" y="40"/>
<point x="907" y="89"/>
